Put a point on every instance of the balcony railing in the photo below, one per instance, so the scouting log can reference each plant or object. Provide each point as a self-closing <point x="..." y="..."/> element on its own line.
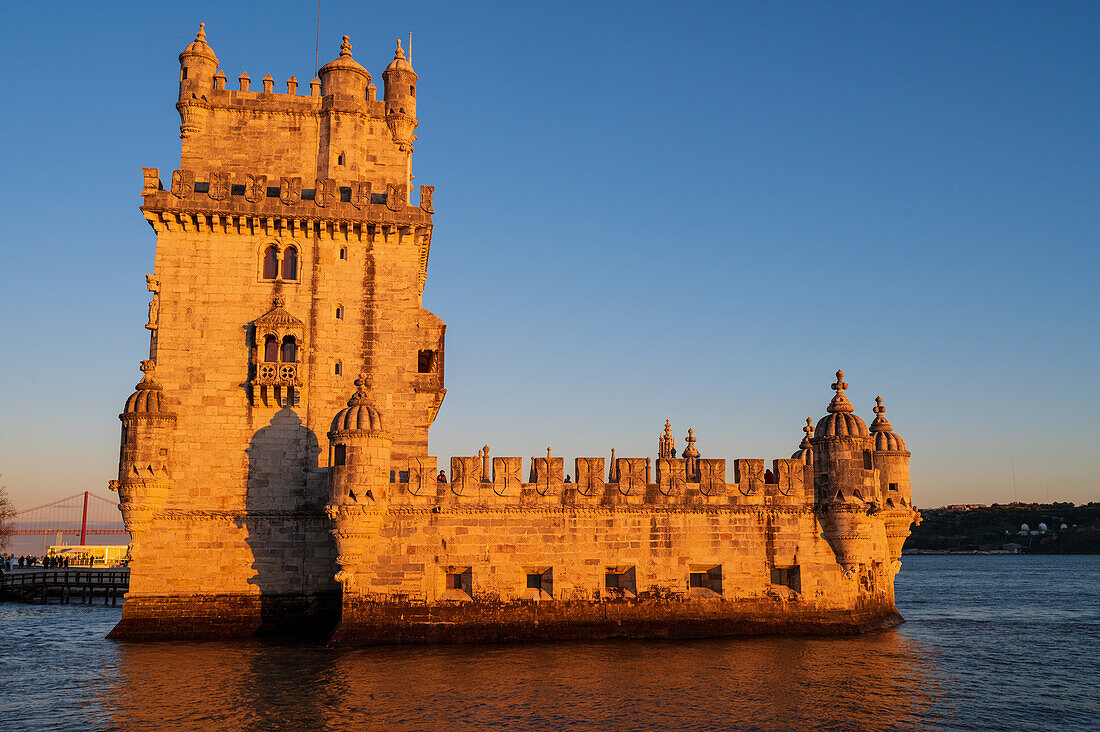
<point x="276" y="374"/>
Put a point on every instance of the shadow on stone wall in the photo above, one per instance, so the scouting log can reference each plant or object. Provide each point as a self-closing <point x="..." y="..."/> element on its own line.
<point x="294" y="556"/>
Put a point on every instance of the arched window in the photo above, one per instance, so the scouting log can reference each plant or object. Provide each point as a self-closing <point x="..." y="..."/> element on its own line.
<point x="290" y="263"/>
<point x="343" y="252"/>
<point x="337" y="369"/>
<point x="271" y="349"/>
<point x="271" y="263"/>
<point x="290" y="348"/>
<point x="339" y="312"/>
<point x="340" y="159"/>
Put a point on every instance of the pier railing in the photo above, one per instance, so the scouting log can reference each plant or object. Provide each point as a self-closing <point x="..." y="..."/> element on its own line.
<point x="64" y="585"/>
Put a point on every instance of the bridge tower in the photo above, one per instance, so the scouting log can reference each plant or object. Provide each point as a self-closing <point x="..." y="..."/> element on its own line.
<point x="289" y="258"/>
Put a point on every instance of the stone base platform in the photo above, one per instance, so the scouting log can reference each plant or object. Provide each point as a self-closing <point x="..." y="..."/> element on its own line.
<point x="367" y="623"/>
<point x="227" y="617"/>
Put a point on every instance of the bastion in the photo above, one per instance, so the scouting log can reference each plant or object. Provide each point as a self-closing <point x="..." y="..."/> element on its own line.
<point x="274" y="474"/>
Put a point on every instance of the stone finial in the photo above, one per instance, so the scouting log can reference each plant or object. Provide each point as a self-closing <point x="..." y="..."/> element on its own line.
<point x="201" y="35"/>
<point x="148" y="375"/>
<point x="148" y="367"/>
<point x="880" y="423"/>
<point x="345" y="46"/>
<point x="809" y="430"/>
<point x="279" y="301"/>
<point x="666" y="444"/>
<point x="362" y="386"/>
<point x="840" y="402"/>
<point x="690" y="451"/>
<point x="485" y="449"/>
<point x="399" y="53"/>
<point x="548" y="453"/>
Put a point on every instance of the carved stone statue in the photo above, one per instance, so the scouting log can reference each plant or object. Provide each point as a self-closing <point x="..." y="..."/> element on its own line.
<point x="152" y="284"/>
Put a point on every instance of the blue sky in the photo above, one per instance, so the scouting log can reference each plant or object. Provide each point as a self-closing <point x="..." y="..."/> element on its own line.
<point x="643" y="211"/>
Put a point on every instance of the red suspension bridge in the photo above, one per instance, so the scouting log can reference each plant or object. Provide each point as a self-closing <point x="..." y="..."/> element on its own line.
<point x="81" y="514"/>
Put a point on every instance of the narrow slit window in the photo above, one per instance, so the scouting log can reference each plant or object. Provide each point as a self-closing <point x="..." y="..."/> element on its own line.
<point x="339" y="312"/>
<point x="340" y="159"/>
<point x="340" y="455"/>
<point x="337" y="368"/>
<point x="343" y="252"/>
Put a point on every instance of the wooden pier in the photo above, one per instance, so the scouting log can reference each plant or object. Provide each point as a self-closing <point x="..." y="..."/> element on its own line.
<point x="65" y="585"/>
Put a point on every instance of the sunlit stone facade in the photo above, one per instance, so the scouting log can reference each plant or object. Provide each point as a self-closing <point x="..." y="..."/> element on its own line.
<point x="290" y="264"/>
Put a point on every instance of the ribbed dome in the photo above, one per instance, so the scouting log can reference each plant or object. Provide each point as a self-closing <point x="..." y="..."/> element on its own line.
<point x="885" y="439"/>
<point x="149" y="397"/>
<point x="399" y="62"/>
<point x="199" y="47"/>
<point x="840" y="421"/>
<point x="358" y="415"/>
<point x="805" y="453"/>
<point x="344" y="62"/>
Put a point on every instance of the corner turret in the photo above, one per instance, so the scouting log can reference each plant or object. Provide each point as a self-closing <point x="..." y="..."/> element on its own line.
<point x="144" y="465"/>
<point x="892" y="460"/>
<point x="359" y="459"/>
<point x="844" y="479"/>
<point x="399" y="93"/>
<point x="198" y="65"/>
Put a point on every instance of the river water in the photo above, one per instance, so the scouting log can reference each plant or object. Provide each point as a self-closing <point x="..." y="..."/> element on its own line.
<point x="991" y="642"/>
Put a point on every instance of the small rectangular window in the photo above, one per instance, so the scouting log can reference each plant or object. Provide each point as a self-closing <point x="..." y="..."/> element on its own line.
<point x="403" y="476"/>
<point x="340" y="455"/>
<point x="788" y="577"/>
<point x="893" y="486"/>
<point x="540" y="584"/>
<point x="425" y="361"/>
<point x="704" y="580"/>
<point x="393" y="475"/>
<point x="458" y="583"/>
<point x="867" y="464"/>
<point x="620" y="582"/>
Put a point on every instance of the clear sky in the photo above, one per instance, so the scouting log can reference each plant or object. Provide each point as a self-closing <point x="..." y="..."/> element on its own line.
<point x="643" y="211"/>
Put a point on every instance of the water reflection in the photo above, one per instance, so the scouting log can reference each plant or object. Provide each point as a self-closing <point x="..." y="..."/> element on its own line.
<point x="871" y="682"/>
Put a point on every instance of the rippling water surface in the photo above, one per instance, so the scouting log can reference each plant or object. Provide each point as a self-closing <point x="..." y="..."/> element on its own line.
<point x="991" y="642"/>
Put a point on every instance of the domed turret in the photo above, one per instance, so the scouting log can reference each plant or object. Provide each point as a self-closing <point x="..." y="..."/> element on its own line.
<point x="149" y="397"/>
<point x="892" y="460"/>
<point x="359" y="463"/>
<point x="841" y="421"/>
<point x="885" y="437"/>
<point x="844" y="479"/>
<point x="399" y="92"/>
<point x="343" y="75"/>
<point x="359" y="414"/>
<point x="197" y="66"/>
<point x="805" y="453"/>
<point x="144" y="466"/>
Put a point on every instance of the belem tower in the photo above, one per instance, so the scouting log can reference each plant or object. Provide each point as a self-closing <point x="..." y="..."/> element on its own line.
<point x="274" y="473"/>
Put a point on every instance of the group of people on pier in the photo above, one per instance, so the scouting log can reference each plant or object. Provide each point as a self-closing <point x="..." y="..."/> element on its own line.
<point x="8" y="561"/>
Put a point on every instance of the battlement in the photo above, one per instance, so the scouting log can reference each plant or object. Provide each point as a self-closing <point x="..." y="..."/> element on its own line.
<point x="667" y="483"/>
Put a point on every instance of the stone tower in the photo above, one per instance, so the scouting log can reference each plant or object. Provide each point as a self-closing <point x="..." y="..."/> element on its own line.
<point x="289" y="260"/>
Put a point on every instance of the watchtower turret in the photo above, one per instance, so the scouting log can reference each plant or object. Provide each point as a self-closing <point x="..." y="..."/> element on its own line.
<point x="399" y="93"/>
<point x="144" y="465"/>
<point x="844" y="479"/>
<point x="892" y="460"/>
<point x="359" y="461"/>
<point x="198" y="64"/>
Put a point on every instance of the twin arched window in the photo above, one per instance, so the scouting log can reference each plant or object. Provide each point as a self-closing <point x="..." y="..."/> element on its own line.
<point x="271" y="263"/>
<point x="287" y="352"/>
